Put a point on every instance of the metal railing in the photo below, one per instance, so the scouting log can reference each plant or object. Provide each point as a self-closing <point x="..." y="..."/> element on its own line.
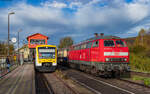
<point x="4" y="69"/>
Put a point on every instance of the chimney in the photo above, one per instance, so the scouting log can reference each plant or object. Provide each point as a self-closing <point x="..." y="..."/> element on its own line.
<point x="96" y="34"/>
<point x="101" y="34"/>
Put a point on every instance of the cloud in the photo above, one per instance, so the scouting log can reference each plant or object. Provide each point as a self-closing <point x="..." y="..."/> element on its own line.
<point x="85" y="18"/>
<point x="75" y="5"/>
<point x="136" y="11"/>
<point x="54" y="4"/>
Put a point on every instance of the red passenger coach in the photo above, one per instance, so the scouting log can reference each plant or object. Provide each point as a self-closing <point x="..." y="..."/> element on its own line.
<point x="102" y="55"/>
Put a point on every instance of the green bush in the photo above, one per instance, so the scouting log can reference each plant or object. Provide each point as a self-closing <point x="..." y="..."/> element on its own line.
<point x="137" y="49"/>
<point x="147" y="82"/>
<point x="139" y="62"/>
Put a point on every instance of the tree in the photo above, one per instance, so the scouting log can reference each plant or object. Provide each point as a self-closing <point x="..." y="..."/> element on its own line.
<point x="4" y="48"/>
<point x="140" y="39"/>
<point x="65" y="42"/>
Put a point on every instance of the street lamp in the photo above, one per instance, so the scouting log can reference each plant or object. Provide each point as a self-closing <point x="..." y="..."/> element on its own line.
<point x="18" y="46"/>
<point x="8" y="29"/>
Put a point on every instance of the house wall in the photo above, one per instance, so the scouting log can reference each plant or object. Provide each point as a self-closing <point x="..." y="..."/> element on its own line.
<point x="36" y="37"/>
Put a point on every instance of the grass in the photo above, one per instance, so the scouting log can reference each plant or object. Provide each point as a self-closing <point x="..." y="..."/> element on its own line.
<point x="145" y="80"/>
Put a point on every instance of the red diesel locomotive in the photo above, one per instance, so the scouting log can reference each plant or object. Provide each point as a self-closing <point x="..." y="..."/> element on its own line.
<point x="101" y="55"/>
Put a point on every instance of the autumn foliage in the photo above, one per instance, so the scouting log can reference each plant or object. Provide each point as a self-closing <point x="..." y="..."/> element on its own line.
<point x="140" y="52"/>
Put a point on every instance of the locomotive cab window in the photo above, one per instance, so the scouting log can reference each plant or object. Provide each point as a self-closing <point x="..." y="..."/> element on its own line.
<point x="109" y="43"/>
<point x="120" y="43"/>
<point x="96" y="44"/>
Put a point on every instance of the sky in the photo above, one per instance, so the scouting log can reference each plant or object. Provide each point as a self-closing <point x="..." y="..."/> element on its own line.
<point x="79" y="19"/>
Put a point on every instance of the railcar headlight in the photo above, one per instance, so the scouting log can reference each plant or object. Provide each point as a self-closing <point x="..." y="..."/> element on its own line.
<point x="54" y="64"/>
<point x="53" y="55"/>
<point x="107" y="59"/>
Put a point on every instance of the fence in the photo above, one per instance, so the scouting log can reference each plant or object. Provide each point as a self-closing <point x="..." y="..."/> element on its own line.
<point x="4" y="67"/>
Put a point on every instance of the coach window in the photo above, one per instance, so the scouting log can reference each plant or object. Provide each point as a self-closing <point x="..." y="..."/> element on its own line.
<point x="84" y="46"/>
<point x="89" y="44"/>
<point x="96" y="44"/>
<point x="78" y="47"/>
<point x="75" y="47"/>
<point x="81" y="46"/>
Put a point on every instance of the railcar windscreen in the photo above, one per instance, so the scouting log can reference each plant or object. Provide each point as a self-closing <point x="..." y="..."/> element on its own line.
<point x="109" y="43"/>
<point x="48" y="52"/>
<point x="120" y="43"/>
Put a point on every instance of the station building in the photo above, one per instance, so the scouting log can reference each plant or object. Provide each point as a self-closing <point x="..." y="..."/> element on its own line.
<point x="33" y="41"/>
<point x="24" y="51"/>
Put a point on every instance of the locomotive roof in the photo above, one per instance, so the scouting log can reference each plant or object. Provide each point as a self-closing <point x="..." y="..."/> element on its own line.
<point x="98" y="37"/>
<point x="104" y="37"/>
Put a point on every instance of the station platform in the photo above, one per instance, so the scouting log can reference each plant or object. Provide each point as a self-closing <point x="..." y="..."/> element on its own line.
<point x="19" y="81"/>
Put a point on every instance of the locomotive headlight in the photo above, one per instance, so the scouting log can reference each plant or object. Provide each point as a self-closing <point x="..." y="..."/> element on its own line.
<point x="107" y="59"/>
<point x="125" y="59"/>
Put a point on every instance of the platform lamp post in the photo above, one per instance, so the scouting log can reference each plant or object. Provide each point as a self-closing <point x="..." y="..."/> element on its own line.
<point x="8" y="30"/>
<point x="18" y="45"/>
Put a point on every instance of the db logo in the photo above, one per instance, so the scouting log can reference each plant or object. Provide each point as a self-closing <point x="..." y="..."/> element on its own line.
<point x="116" y="53"/>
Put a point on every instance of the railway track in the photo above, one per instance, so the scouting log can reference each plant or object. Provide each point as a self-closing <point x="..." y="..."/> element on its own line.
<point x="95" y="83"/>
<point x="97" y="86"/>
<point x="41" y="84"/>
<point x="70" y="88"/>
<point x="140" y="74"/>
<point x="50" y="83"/>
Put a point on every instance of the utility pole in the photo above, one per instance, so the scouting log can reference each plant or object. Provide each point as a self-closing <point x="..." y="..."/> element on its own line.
<point x="18" y="46"/>
<point x="8" y="30"/>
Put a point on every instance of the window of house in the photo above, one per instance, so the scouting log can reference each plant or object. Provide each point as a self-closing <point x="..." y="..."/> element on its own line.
<point x="37" y="41"/>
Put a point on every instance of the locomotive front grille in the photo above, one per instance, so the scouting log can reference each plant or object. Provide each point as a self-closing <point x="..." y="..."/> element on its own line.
<point x="116" y="59"/>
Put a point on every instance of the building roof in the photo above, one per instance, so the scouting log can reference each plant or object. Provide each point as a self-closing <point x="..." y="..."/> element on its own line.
<point x="36" y="34"/>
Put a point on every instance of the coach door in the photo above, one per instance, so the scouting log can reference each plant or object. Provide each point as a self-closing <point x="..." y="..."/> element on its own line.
<point x="95" y="51"/>
<point x="88" y="52"/>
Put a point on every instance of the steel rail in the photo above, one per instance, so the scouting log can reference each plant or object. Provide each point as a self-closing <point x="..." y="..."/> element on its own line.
<point x="42" y="85"/>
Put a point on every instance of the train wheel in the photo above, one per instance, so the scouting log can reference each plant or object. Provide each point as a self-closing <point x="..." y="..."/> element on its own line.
<point x="81" y="67"/>
<point x="94" y="71"/>
<point x="87" y="70"/>
<point x="116" y="74"/>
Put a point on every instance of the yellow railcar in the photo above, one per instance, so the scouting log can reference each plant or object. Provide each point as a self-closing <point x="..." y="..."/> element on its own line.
<point x="46" y="58"/>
